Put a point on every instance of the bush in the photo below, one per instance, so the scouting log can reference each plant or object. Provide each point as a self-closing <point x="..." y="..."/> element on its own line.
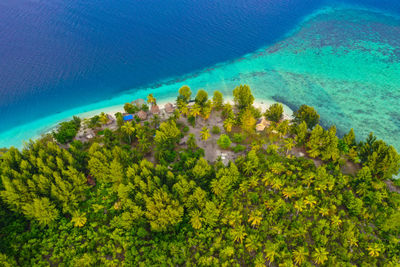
<point x="274" y="112"/>
<point x="216" y="130"/>
<point x="185" y="129"/>
<point x="66" y="131"/>
<point x="238" y="138"/>
<point x="307" y="114"/>
<point x="201" y="97"/>
<point x="239" y="148"/>
<point x="145" y="108"/>
<point x="224" y="141"/>
<point x="192" y="120"/>
<point x="94" y="122"/>
<point x="129" y="108"/>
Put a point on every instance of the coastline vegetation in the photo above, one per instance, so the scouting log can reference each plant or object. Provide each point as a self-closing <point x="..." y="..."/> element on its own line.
<point x="149" y="192"/>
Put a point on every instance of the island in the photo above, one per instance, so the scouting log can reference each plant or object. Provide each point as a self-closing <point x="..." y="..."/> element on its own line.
<point x="201" y="181"/>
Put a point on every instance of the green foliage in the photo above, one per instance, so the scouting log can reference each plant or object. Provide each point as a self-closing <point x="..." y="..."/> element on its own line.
<point x="66" y="131"/>
<point x="201" y="97"/>
<point x="243" y="97"/>
<point x="165" y="139"/>
<point x="307" y="114"/>
<point x="383" y="159"/>
<point x="274" y="112"/>
<point x="224" y="141"/>
<point x="185" y="129"/>
<point x="248" y="122"/>
<point x="184" y="94"/>
<point x="323" y="143"/>
<point x="239" y="148"/>
<point x="238" y="138"/>
<point x="218" y="100"/>
<point x="103" y="203"/>
<point x="130" y="108"/>
<point x="215" y="130"/>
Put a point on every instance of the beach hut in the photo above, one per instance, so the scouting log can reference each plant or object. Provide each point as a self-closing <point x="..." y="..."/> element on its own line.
<point x="260" y="127"/>
<point x="142" y="115"/>
<point x="169" y="108"/>
<point x="155" y="110"/>
<point x="262" y="123"/>
<point x="128" y="117"/>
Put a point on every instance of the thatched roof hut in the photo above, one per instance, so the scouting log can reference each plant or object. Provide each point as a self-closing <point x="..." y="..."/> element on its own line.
<point x="142" y="115"/>
<point x="155" y="110"/>
<point x="262" y="123"/>
<point x="169" y="108"/>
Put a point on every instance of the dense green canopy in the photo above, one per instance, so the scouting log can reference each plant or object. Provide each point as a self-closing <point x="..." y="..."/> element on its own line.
<point x="151" y="199"/>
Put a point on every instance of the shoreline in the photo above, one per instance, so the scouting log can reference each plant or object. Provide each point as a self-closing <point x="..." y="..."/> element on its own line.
<point x="18" y="136"/>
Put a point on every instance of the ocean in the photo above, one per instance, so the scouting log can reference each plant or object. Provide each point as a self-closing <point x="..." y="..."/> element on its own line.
<point x="62" y="58"/>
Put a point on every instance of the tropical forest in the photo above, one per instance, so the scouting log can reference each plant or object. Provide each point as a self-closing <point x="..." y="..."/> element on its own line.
<point x="206" y="182"/>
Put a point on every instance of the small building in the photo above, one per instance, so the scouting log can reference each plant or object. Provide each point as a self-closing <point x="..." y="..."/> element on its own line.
<point x="169" y="108"/>
<point x="142" y="115"/>
<point x="155" y="110"/>
<point x="139" y="102"/>
<point x="260" y="127"/>
<point x="262" y="124"/>
<point x="128" y="117"/>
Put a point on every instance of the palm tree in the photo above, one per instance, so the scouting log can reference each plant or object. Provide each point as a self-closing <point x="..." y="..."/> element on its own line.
<point x="235" y="218"/>
<point x="308" y="178"/>
<point x="336" y="221"/>
<point x="196" y="219"/>
<point x="374" y="250"/>
<point x="206" y="112"/>
<point x="267" y="179"/>
<point x="271" y="251"/>
<point x="103" y="118"/>
<point x="324" y="211"/>
<point x="248" y="167"/>
<point x="289" y="144"/>
<point x="310" y="200"/>
<point x="183" y="107"/>
<point x="151" y="99"/>
<point x="320" y="255"/>
<point x="289" y="192"/>
<point x="300" y="255"/>
<point x="128" y="129"/>
<point x="228" y="124"/>
<point x="205" y="133"/>
<point x="239" y="233"/>
<point x="252" y="243"/>
<point x="155" y="121"/>
<point x="299" y="205"/>
<point x="255" y="218"/>
<point x="195" y="111"/>
<point x="277" y="183"/>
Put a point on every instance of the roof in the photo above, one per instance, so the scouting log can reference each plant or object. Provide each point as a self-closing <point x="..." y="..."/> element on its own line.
<point x="264" y="122"/>
<point x="155" y="109"/>
<point x="142" y="115"/>
<point x="169" y="108"/>
<point x="260" y="127"/>
<point x="128" y="117"/>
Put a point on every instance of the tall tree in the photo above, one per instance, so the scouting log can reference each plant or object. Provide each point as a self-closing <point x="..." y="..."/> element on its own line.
<point x="243" y="97"/>
<point x="184" y="93"/>
<point x="218" y="100"/>
<point x="274" y="112"/>
<point x="307" y="114"/>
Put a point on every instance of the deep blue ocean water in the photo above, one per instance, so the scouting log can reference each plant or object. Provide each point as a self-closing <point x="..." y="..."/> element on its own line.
<point x="61" y="54"/>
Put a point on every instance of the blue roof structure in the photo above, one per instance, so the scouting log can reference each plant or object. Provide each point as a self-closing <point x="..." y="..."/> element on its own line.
<point x="128" y="117"/>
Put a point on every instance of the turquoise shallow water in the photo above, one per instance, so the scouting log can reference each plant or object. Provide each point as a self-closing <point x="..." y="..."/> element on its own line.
<point x="345" y="62"/>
